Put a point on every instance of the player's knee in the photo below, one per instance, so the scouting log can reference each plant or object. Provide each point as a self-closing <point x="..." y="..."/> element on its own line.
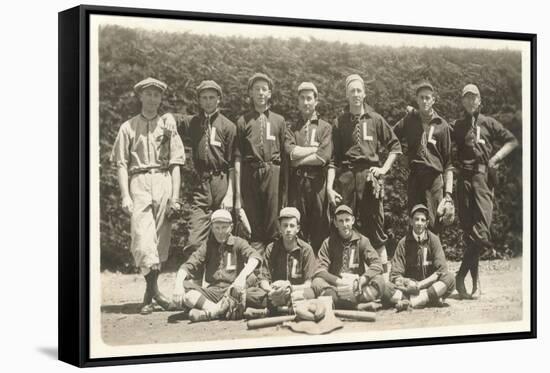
<point x="318" y="285"/>
<point x="448" y="279"/>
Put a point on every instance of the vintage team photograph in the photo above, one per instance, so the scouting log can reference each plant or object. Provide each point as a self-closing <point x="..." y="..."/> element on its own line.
<point x="260" y="186"/>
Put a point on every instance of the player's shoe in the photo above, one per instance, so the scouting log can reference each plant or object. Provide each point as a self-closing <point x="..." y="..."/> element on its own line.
<point x="147" y="309"/>
<point x="196" y="315"/>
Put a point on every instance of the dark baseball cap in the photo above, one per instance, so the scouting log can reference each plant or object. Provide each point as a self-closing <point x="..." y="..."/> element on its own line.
<point x="290" y="212"/>
<point x="260" y="76"/>
<point x="343" y="209"/>
<point x="209" y="84"/>
<point x="419" y="207"/>
<point x="424" y="85"/>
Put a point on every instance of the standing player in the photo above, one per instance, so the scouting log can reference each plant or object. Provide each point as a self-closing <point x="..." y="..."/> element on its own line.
<point x="212" y="138"/>
<point x="288" y="264"/>
<point x="358" y="136"/>
<point x="148" y="154"/>
<point x="349" y="268"/>
<point x="476" y="136"/>
<point x="309" y="144"/>
<point x="258" y="156"/>
<point x="226" y="261"/>
<point x="428" y="139"/>
<point x="419" y="269"/>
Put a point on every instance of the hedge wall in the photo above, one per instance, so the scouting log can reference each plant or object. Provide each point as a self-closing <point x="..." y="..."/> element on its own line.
<point x="183" y="60"/>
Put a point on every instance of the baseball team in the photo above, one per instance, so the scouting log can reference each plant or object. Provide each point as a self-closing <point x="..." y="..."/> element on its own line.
<point x="284" y="213"/>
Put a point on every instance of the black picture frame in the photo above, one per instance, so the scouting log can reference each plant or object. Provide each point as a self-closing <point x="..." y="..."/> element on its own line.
<point x="74" y="181"/>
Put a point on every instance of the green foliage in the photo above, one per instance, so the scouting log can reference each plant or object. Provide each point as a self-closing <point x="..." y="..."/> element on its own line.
<point x="183" y="60"/>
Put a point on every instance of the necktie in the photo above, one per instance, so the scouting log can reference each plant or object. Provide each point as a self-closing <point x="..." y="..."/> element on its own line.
<point x="345" y="257"/>
<point x="263" y="122"/>
<point x="206" y="136"/>
<point x="357" y="130"/>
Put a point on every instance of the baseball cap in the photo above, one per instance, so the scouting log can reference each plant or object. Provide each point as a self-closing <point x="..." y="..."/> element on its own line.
<point x="419" y="207"/>
<point x="290" y="212"/>
<point x="222" y="216"/>
<point x="308" y="86"/>
<point x="260" y="76"/>
<point x="209" y="84"/>
<point x="470" y="88"/>
<point x="424" y="85"/>
<point x="150" y="82"/>
<point x="352" y="78"/>
<point x="343" y="209"/>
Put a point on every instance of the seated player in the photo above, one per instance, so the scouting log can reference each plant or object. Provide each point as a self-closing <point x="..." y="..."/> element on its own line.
<point x="349" y="268"/>
<point x="226" y="262"/>
<point x="419" y="273"/>
<point x="287" y="266"/>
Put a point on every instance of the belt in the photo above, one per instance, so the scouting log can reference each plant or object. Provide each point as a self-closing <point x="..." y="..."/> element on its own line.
<point x="474" y="167"/>
<point x="149" y="171"/>
<point x="309" y="172"/>
<point x="356" y="166"/>
<point x="261" y="164"/>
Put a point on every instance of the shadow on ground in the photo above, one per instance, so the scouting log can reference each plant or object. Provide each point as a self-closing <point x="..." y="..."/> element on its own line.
<point x="127" y="308"/>
<point x="50" y="352"/>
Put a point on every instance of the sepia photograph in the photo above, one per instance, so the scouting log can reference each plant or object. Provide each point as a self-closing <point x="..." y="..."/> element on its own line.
<point x="257" y="185"/>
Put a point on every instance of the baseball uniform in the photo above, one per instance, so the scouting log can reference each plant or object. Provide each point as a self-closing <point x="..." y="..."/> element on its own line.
<point x="429" y="158"/>
<point x="260" y="141"/>
<point x="147" y="148"/>
<point x="212" y="139"/>
<point x="338" y="257"/>
<point x="418" y="257"/>
<point x="220" y="263"/>
<point x="476" y="137"/>
<point x="307" y="188"/>
<point x="358" y="141"/>
<point x="295" y="266"/>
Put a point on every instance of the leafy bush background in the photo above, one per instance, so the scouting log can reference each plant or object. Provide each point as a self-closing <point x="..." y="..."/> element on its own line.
<point x="183" y="60"/>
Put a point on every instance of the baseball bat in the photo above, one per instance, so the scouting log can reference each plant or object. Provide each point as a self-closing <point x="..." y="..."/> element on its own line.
<point x="269" y="321"/>
<point x="356" y="315"/>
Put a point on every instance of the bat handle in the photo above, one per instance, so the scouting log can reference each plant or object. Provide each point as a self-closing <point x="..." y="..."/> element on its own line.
<point x="270" y="321"/>
<point x="356" y="315"/>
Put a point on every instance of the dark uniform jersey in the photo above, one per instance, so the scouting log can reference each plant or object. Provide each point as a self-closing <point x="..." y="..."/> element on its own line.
<point x="356" y="256"/>
<point x="221" y="263"/>
<point x="359" y="139"/>
<point x="260" y="137"/>
<point x="296" y="266"/>
<point x="212" y="140"/>
<point x="476" y="137"/>
<point x="428" y="147"/>
<point x="314" y="132"/>
<point x="418" y="260"/>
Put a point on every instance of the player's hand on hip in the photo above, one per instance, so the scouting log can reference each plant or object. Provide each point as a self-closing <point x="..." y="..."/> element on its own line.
<point x="127" y="205"/>
<point x="493" y="163"/>
<point x="334" y="197"/>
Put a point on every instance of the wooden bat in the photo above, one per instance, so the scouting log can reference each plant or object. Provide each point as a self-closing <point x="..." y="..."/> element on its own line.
<point x="269" y="321"/>
<point x="356" y="315"/>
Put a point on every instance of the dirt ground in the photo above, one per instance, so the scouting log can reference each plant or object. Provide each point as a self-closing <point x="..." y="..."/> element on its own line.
<point x="122" y="324"/>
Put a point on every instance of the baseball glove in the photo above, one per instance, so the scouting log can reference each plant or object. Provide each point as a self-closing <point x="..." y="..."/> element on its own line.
<point x="279" y="296"/>
<point x="310" y="311"/>
<point x="377" y="185"/>
<point x="446" y="211"/>
<point x="174" y="209"/>
<point x="234" y="303"/>
<point x="408" y="286"/>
